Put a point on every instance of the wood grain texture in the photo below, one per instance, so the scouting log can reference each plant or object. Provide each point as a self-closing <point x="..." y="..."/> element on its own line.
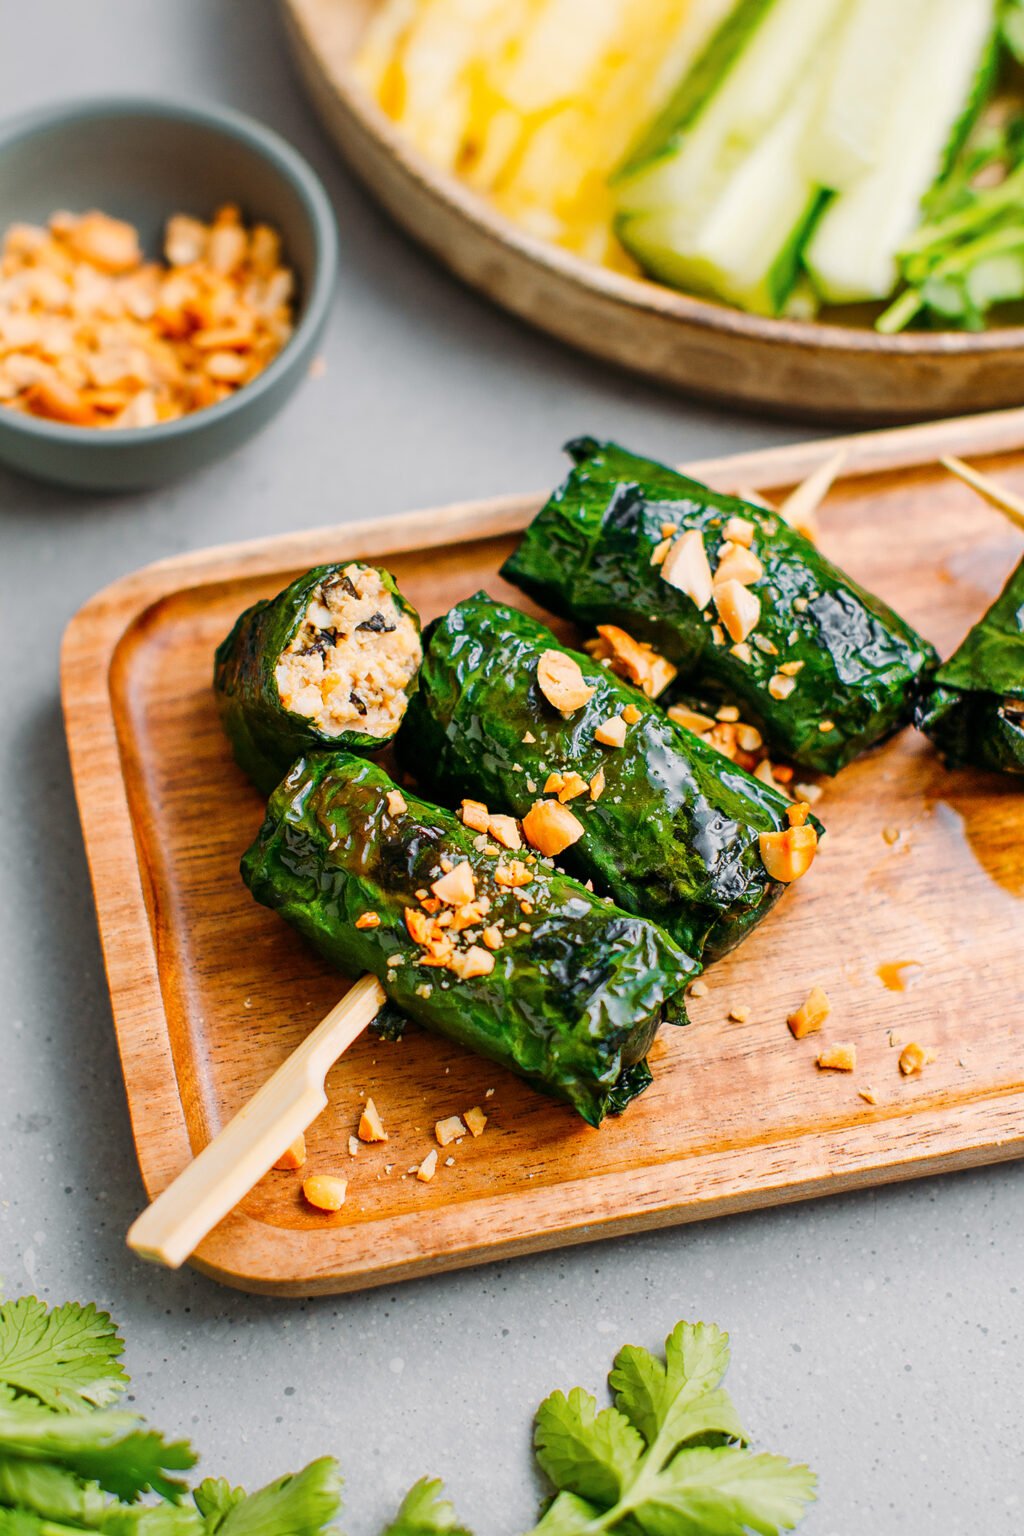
<point x="821" y="371"/>
<point x="211" y="992"/>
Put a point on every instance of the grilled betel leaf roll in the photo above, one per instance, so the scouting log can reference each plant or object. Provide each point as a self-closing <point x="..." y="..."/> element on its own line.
<point x="975" y="712"/>
<point x="519" y="963"/>
<point x="666" y="825"/>
<point x="746" y="608"/>
<point x="329" y="663"/>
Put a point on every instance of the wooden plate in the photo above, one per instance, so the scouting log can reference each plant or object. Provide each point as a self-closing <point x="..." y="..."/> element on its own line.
<point x="211" y="991"/>
<point x="787" y="367"/>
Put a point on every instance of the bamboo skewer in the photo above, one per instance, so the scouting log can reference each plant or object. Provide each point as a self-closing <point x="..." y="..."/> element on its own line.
<point x="239" y="1155"/>
<point x="801" y="505"/>
<point x="1004" y="501"/>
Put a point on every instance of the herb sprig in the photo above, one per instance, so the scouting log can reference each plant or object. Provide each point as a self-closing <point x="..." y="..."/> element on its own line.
<point x="670" y="1458"/>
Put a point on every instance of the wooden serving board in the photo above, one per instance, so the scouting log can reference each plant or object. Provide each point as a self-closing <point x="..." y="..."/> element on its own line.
<point x="835" y="372"/>
<point x="210" y="991"/>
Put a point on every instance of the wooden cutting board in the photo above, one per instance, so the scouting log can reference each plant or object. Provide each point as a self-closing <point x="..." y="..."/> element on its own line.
<point x="922" y="869"/>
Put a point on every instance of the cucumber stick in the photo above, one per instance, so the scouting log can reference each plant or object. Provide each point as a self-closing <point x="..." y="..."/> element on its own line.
<point x="876" y="40"/>
<point x="852" y="255"/>
<point x="746" y="248"/>
<point x="725" y="205"/>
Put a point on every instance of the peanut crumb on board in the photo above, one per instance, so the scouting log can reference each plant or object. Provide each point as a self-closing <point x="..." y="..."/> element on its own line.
<point x="914" y="1057"/>
<point x="699" y="988"/>
<point x="426" y="1170"/>
<point x="353" y="1146"/>
<point x="325" y="1191"/>
<point x="891" y="835"/>
<point x="840" y="1057"/>
<point x="867" y="1093"/>
<point x="371" y="1127"/>
<point x="740" y="1014"/>
<point x="811" y="1014"/>
<point x="489" y="1093"/>
<point x="475" y="1121"/>
<point x="293" y="1155"/>
<point x="449" y="1162"/>
<point x="449" y="1130"/>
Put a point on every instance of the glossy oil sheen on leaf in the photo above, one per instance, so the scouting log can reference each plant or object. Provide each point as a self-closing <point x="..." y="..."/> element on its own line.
<point x="265" y="737"/>
<point x="587" y="556"/>
<point x="572" y="1004"/>
<point x="975" y="712"/>
<point x="674" y="835"/>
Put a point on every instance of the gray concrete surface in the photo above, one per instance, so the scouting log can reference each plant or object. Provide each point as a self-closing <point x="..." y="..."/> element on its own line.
<point x="878" y="1336"/>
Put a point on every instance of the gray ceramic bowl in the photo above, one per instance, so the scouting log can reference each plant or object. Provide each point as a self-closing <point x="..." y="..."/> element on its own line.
<point x="141" y="161"/>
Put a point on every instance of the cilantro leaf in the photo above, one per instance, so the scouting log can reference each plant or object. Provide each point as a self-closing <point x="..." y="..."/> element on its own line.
<point x="594" y="1455"/>
<point x="301" y="1504"/>
<point x="112" y="1448"/>
<point x="567" y="1515"/>
<point x="51" y="1491"/>
<point x="424" y="1511"/>
<point x="674" y="1401"/>
<point x="64" y="1358"/>
<point x="725" y="1492"/>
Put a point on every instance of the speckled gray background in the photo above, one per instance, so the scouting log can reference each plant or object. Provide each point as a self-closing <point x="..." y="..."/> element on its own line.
<point x="878" y="1336"/>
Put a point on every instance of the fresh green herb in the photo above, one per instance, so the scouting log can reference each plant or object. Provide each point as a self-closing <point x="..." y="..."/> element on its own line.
<point x="1011" y="26"/>
<point x="670" y="1458"/>
<point x="425" y="1512"/>
<point x="967" y="256"/>
<point x="64" y="1358"/>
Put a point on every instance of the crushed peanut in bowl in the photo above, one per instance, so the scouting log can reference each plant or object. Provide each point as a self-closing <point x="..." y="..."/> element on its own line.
<point x="92" y="334"/>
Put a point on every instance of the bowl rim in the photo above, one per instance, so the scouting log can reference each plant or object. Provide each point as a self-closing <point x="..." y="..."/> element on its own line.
<point x="287" y="162"/>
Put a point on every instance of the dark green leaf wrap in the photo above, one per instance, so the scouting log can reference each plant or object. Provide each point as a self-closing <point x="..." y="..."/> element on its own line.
<point x="587" y="556"/>
<point x="572" y="1004"/>
<point x="975" y="712"/>
<point x="674" y="834"/>
<point x="265" y="736"/>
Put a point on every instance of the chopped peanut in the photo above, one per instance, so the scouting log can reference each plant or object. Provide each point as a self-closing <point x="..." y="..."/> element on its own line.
<point x="426" y="1170"/>
<point x="575" y="784"/>
<point x="739" y="530"/>
<point x="449" y="1130"/>
<point x="371" y="1127"/>
<point x="738" y="563"/>
<point x="811" y="1014"/>
<point x="551" y="828"/>
<point x="293" y="1155"/>
<point x="640" y="664"/>
<point x="741" y="650"/>
<point x="791" y="668"/>
<point x="781" y="687"/>
<point x="529" y="738"/>
<point x="631" y="714"/>
<point x="668" y="529"/>
<point x="561" y="682"/>
<point x="867" y="1093"/>
<point x="699" y="988"/>
<point x="798" y="813"/>
<point x="474" y="814"/>
<point x="826" y="726"/>
<point x="368" y="920"/>
<point x="457" y="886"/>
<point x="749" y="738"/>
<point x="353" y="1146"/>
<point x="686" y="567"/>
<point x="913" y="1057"/>
<point x="492" y="937"/>
<point x="728" y="713"/>
<point x="420" y="926"/>
<point x="515" y="873"/>
<point x="396" y="802"/>
<point x="611" y="732"/>
<point x="325" y="1191"/>
<point x="659" y="551"/>
<point x="475" y="1121"/>
<point x="690" y="719"/>
<point x="787" y="856"/>
<point x="597" y="785"/>
<point x="841" y="1057"/>
<point x="739" y="1014"/>
<point x="472" y="962"/>
<point x="553" y="783"/>
<point x="738" y="608"/>
<point x="505" y="830"/>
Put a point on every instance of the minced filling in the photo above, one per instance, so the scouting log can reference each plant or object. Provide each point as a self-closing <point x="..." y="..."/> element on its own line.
<point x="352" y="658"/>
